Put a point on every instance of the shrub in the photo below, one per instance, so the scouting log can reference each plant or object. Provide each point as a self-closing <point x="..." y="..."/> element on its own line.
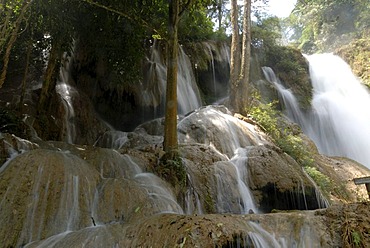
<point x="266" y="115"/>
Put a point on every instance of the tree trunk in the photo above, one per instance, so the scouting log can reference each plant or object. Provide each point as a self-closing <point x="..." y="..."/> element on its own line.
<point x="25" y="74"/>
<point x="12" y="39"/>
<point x="170" y="144"/>
<point x="50" y="78"/>
<point x="219" y="9"/>
<point x="235" y="57"/>
<point x="246" y="54"/>
<point x="5" y="30"/>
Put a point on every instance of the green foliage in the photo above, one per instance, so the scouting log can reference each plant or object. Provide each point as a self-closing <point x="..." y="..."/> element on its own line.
<point x="267" y="116"/>
<point x="209" y="204"/>
<point x="293" y="145"/>
<point x="286" y="59"/>
<point x="320" y="179"/>
<point x="9" y="12"/>
<point x="291" y="68"/>
<point x="352" y="234"/>
<point x="115" y="37"/>
<point x="324" y="24"/>
<point x="357" y="55"/>
<point x="356" y="238"/>
<point x="172" y="170"/>
<point x="195" y="26"/>
<point x="266" y="33"/>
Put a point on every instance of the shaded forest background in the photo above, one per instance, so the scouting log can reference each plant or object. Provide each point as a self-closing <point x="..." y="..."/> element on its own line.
<point x="110" y="40"/>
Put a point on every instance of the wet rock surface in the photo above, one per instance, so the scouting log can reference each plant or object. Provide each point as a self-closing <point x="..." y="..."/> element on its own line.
<point x="62" y="195"/>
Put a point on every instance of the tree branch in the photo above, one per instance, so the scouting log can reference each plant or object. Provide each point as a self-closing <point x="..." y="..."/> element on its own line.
<point x="185" y="7"/>
<point x="127" y="16"/>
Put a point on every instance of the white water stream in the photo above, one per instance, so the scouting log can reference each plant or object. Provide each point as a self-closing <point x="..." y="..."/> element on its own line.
<point x="86" y="196"/>
<point x="339" y="119"/>
<point x="154" y="89"/>
<point x="67" y="92"/>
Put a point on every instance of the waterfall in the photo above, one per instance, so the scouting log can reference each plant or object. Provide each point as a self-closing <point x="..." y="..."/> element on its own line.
<point x="230" y="138"/>
<point x="208" y="46"/>
<point x="338" y="121"/>
<point x="286" y="97"/>
<point x="67" y="93"/>
<point x="239" y="161"/>
<point x="187" y="90"/>
<point x="154" y="88"/>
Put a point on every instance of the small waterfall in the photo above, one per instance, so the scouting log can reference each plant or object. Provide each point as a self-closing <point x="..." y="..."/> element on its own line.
<point x="230" y="138"/>
<point x="241" y="193"/>
<point x="112" y="139"/>
<point x="321" y="200"/>
<point x="240" y="161"/>
<point x="187" y="90"/>
<point x="67" y="93"/>
<point x="213" y="80"/>
<point x="154" y="89"/>
<point x="93" y="196"/>
<point x="286" y="96"/>
<point x="213" y="68"/>
<point x="261" y="238"/>
<point x="163" y="200"/>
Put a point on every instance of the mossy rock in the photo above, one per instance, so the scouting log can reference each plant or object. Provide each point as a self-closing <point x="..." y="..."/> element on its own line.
<point x="291" y="67"/>
<point x="357" y="55"/>
<point x="11" y="122"/>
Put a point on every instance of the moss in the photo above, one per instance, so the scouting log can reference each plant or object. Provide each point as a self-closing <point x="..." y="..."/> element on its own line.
<point x="209" y="204"/>
<point x="357" y="55"/>
<point x="324" y="183"/>
<point x="172" y="170"/>
<point x="198" y="54"/>
<point x="292" y="69"/>
<point x="286" y="138"/>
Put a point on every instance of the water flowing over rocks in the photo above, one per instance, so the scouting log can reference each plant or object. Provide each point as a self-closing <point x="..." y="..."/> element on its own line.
<point x="54" y="194"/>
<point x="279" y="182"/>
<point x="215" y="126"/>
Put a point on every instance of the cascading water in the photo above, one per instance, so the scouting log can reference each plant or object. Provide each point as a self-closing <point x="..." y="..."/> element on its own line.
<point x="233" y="193"/>
<point x="213" y="81"/>
<point x="339" y="119"/>
<point x="154" y="89"/>
<point x="339" y="122"/>
<point x="286" y="96"/>
<point x="66" y="193"/>
<point x="237" y="172"/>
<point x="91" y="196"/>
<point x="67" y="92"/>
<point x="213" y="67"/>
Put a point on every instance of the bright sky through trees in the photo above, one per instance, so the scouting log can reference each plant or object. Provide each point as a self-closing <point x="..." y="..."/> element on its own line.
<point x="281" y="8"/>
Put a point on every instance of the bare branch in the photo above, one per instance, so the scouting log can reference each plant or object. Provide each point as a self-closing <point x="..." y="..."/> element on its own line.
<point x="127" y="16"/>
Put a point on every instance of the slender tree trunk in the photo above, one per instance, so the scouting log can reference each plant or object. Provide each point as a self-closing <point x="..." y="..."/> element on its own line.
<point x="170" y="144"/>
<point x="25" y="75"/>
<point x="5" y="31"/>
<point x="235" y="57"/>
<point x="12" y="39"/>
<point x="219" y="9"/>
<point x="246" y="54"/>
<point x="49" y="82"/>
